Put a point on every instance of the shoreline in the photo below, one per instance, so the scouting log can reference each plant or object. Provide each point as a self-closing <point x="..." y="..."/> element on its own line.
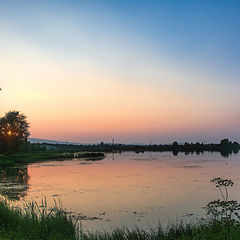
<point x="12" y="160"/>
<point x="41" y="222"/>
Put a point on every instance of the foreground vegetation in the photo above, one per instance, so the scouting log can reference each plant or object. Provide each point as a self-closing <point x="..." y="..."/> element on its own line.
<point x="174" y="232"/>
<point x="40" y="222"/>
<point x="35" y="222"/>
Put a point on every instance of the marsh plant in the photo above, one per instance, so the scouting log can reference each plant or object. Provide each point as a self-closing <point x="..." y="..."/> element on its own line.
<point x="36" y="222"/>
<point x="223" y="212"/>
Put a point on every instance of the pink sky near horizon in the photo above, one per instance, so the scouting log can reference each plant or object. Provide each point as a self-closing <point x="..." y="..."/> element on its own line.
<point x="92" y="104"/>
<point x="84" y="78"/>
<point x="129" y="115"/>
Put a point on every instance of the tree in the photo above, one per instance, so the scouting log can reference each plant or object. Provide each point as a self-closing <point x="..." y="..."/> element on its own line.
<point x="224" y="142"/>
<point x="14" y="130"/>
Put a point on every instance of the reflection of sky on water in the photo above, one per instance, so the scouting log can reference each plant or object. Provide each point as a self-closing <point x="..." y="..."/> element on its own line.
<point x="14" y="182"/>
<point x="131" y="189"/>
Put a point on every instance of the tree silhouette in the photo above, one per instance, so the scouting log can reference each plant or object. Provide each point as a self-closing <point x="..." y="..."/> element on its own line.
<point x="14" y="130"/>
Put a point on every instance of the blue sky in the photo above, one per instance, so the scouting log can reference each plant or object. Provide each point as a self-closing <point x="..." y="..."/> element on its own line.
<point x="186" y="52"/>
<point x="204" y="34"/>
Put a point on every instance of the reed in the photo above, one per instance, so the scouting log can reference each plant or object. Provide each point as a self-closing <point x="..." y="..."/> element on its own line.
<point x="39" y="221"/>
<point x="34" y="221"/>
<point x="180" y="231"/>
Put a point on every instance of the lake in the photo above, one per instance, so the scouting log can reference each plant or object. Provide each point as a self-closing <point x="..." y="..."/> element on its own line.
<point x="126" y="189"/>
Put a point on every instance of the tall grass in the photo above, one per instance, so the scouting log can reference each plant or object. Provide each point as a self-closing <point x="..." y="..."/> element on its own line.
<point x="35" y="222"/>
<point x="174" y="232"/>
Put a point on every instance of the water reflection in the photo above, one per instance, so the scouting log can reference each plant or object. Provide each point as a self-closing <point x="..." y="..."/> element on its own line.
<point x="125" y="188"/>
<point x="14" y="182"/>
<point x="225" y="154"/>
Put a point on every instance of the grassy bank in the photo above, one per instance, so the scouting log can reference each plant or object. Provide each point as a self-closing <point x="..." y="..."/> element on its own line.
<point x="24" y="158"/>
<point x="174" y="232"/>
<point x="35" y="223"/>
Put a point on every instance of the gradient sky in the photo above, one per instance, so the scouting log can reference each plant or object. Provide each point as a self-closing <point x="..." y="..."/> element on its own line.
<point x="90" y="71"/>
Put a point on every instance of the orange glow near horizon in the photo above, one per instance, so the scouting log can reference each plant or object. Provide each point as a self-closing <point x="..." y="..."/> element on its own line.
<point x="137" y="96"/>
<point x="114" y="110"/>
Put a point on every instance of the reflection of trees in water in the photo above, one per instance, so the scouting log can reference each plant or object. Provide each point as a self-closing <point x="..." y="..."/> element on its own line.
<point x="224" y="154"/>
<point x="14" y="182"/>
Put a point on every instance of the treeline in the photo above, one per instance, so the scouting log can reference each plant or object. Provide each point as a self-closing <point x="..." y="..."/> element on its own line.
<point x="14" y="132"/>
<point x="225" y="147"/>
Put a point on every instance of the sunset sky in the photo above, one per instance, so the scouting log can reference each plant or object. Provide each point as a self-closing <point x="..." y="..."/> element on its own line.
<point x="135" y="71"/>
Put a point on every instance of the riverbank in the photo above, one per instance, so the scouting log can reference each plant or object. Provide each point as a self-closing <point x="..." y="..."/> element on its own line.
<point x="174" y="232"/>
<point x="41" y="156"/>
<point x="39" y="222"/>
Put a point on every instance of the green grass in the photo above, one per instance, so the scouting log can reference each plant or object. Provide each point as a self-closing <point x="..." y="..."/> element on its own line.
<point x="174" y="232"/>
<point x="41" y="156"/>
<point x="35" y="222"/>
<point x="39" y="222"/>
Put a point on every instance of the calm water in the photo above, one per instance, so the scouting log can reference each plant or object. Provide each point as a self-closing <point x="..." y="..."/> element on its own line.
<point x="126" y="189"/>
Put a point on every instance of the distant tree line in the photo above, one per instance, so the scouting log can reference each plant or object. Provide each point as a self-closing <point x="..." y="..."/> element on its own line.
<point x="14" y="133"/>
<point x="225" y="147"/>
